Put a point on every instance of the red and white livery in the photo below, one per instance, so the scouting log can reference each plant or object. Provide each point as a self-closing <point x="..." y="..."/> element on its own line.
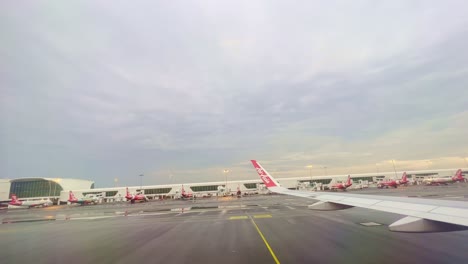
<point x="139" y="197"/>
<point x="184" y="194"/>
<point x="393" y="183"/>
<point x="342" y="186"/>
<point x="15" y="203"/>
<point x="458" y="177"/>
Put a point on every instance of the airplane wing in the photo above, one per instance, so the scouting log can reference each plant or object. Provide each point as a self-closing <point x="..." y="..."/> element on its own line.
<point x="422" y="215"/>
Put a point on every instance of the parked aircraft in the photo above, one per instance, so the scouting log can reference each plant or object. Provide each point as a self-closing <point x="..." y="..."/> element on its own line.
<point x="139" y="197"/>
<point x="15" y="203"/>
<point x="82" y="201"/>
<point x="341" y="186"/>
<point x="184" y="194"/>
<point x="445" y="180"/>
<point x="393" y="183"/>
<point x="404" y="179"/>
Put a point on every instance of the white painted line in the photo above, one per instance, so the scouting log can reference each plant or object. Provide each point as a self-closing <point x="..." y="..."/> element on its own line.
<point x="370" y="224"/>
<point x="91" y="217"/>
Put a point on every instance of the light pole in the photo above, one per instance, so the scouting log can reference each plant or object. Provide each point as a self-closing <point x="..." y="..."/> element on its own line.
<point x="393" y="162"/>
<point x="428" y="163"/>
<point x="325" y="169"/>
<point x="141" y="181"/>
<point x="225" y="171"/>
<point x="310" y="170"/>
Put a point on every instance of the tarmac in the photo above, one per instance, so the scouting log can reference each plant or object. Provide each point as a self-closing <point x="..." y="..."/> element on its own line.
<point x="255" y="229"/>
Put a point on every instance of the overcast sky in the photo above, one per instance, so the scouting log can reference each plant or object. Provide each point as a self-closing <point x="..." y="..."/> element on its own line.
<point x="180" y="90"/>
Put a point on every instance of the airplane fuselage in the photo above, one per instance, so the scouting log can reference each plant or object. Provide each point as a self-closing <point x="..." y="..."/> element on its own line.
<point x="438" y="181"/>
<point x="28" y="204"/>
<point x="387" y="184"/>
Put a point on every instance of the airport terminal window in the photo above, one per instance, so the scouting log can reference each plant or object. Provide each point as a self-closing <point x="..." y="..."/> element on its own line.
<point x="368" y="178"/>
<point x="157" y="190"/>
<point x="250" y="185"/>
<point x="35" y="188"/>
<point x="322" y="181"/>
<point x="111" y="193"/>
<point x="426" y="175"/>
<point x="204" y="188"/>
<point x="86" y="193"/>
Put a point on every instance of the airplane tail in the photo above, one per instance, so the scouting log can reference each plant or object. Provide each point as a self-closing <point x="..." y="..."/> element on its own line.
<point x="182" y="191"/>
<point x="128" y="194"/>
<point x="349" y="182"/>
<point x="267" y="179"/>
<point x="403" y="177"/>
<point x="14" y="198"/>
<point x="71" y="196"/>
<point x="458" y="175"/>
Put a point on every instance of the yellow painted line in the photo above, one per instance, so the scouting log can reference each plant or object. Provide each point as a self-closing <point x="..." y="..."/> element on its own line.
<point x="238" y="217"/>
<point x="262" y="216"/>
<point x="265" y="241"/>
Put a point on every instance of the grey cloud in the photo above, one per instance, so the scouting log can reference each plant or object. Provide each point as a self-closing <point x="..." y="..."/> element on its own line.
<point x="108" y="90"/>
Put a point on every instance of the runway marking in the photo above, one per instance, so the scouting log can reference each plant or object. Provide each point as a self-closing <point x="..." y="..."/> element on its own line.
<point x="92" y="217"/>
<point x="238" y="217"/>
<point x="265" y="241"/>
<point x="262" y="216"/>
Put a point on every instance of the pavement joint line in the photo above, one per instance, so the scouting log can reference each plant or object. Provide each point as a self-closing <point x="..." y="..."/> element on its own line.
<point x="265" y="241"/>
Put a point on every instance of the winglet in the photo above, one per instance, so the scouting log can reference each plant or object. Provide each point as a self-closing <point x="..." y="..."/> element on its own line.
<point x="264" y="175"/>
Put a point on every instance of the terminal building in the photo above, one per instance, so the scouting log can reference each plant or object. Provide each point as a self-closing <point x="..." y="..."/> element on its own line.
<point x="57" y="189"/>
<point x="40" y="188"/>
<point x="207" y="189"/>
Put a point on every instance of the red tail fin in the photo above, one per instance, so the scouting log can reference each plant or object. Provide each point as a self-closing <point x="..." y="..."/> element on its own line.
<point x="403" y="177"/>
<point x="128" y="194"/>
<point x="183" y="190"/>
<point x="349" y="180"/>
<point x="267" y="179"/>
<point x="458" y="175"/>
<point x="71" y="196"/>
<point x="14" y="198"/>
